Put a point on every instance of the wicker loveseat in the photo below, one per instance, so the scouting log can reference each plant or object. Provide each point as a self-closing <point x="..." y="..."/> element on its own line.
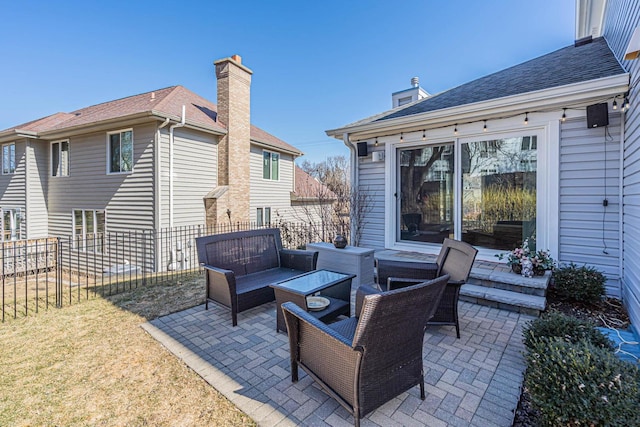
<point x="367" y="360"/>
<point x="241" y="265"/>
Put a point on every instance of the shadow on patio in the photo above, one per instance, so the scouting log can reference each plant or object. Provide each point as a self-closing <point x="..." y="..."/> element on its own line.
<point x="472" y="381"/>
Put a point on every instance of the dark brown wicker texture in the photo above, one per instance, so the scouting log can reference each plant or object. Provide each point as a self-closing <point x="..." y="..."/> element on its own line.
<point x="455" y="259"/>
<point x="365" y="361"/>
<point x="240" y="266"/>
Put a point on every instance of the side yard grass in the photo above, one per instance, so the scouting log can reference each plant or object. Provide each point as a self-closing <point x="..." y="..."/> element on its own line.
<point x="92" y="364"/>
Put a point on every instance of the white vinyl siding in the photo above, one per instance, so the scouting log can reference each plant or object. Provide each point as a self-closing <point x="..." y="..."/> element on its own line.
<point x="371" y="181"/>
<point x="195" y="165"/>
<point x="60" y="158"/>
<point x="36" y="212"/>
<point x="590" y="173"/>
<point x="129" y="198"/>
<point x="621" y="19"/>
<point x="275" y="194"/>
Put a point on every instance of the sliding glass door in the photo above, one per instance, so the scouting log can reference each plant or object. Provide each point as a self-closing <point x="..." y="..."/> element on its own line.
<point x="494" y="205"/>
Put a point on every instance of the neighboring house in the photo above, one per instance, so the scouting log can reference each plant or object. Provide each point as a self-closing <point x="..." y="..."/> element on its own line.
<point x="165" y="158"/>
<point x="312" y="201"/>
<point x="522" y="153"/>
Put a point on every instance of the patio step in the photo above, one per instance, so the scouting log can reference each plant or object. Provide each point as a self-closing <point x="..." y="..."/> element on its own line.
<point x="532" y="305"/>
<point x="493" y="284"/>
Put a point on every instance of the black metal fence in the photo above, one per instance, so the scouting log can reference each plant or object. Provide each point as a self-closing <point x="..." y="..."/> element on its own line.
<point x="43" y="273"/>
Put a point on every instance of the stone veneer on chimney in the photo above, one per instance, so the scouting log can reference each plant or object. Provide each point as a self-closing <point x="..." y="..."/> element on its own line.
<point x="234" y="149"/>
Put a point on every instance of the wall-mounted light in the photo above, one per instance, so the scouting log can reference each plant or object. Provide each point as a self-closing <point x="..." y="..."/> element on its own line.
<point x="615" y="104"/>
<point x="526" y="118"/>
<point x="401" y="137"/>
<point x="455" y="129"/>
<point x="484" y="128"/>
<point x="564" y="114"/>
<point x="376" y="143"/>
<point x="424" y="135"/>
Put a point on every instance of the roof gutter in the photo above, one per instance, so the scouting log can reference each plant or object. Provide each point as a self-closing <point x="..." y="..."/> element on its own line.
<point x="542" y="100"/>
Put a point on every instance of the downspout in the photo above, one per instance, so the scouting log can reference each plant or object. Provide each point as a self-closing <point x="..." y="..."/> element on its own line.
<point x="623" y="116"/>
<point x="171" y="128"/>
<point x="354" y="175"/>
<point x="158" y="191"/>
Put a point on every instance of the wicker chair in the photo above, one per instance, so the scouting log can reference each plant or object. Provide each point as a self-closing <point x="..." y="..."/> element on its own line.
<point x="455" y="259"/>
<point x="367" y="360"/>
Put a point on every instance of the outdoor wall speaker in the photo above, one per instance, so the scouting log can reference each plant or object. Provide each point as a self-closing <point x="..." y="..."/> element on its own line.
<point x="362" y="149"/>
<point x="597" y="115"/>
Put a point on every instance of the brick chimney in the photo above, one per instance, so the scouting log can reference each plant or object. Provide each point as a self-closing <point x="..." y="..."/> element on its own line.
<point x="234" y="105"/>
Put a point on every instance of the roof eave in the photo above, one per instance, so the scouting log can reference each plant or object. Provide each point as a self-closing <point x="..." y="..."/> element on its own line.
<point x="276" y="148"/>
<point x="546" y="99"/>
<point x="128" y="120"/>
<point x="13" y="134"/>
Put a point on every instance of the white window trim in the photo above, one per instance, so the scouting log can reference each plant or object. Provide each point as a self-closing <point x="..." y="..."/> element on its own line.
<point x="14" y="158"/>
<point x="547" y="129"/>
<point x="263" y="219"/>
<point x="270" y="167"/>
<point x="60" y="158"/>
<point x="17" y="214"/>
<point x="108" y="151"/>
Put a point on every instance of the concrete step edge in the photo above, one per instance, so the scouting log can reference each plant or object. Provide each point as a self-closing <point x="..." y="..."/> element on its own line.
<point x="504" y="297"/>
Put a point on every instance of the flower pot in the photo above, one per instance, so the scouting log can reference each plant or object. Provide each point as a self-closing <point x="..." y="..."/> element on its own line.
<point x="516" y="268"/>
<point x="340" y="242"/>
<point x="538" y="271"/>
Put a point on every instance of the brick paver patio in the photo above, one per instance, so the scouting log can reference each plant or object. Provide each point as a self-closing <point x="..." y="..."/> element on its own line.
<point x="472" y="381"/>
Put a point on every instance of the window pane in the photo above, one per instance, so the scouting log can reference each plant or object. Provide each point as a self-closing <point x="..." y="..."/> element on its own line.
<point x="275" y="166"/>
<point x="126" y="147"/>
<point x="426" y="193"/>
<point x="55" y="159"/>
<point x="499" y="193"/>
<point x="12" y="158"/>
<point x="267" y="216"/>
<point x="259" y="221"/>
<point x="5" y="159"/>
<point x="64" y="158"/>
<point x="114" y="150"/>
<point x="266" y="165"/>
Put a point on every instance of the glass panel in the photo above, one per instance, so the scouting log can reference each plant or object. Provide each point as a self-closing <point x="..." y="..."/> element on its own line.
<point x="266" y="165"/>
<point x="77" y="228"/>
<point x="275" y="166"/>
<point x="12" y="158"/>
<point x="426" y="193"/>
<point x="6" y="223"/>
<point x="126" y="147"/>
<point x="89" y="229"/>
<point x="499" y="192"/>
<point x="5" y="159"/>
<point x="55" y="159"/>
<point x="267" y="216"/>
<point x="259" y="217"/>
<point x="64" y="159"/>
<point x="114" y="150"/>
<point x="100" y="227"/>
<point x="312" y="282"/>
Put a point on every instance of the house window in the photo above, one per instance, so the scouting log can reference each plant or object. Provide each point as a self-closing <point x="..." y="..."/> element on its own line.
<point x="270" y="165"/>
<point x="482" y="192"/>
<point x="11" y="222"/>
<point x="60" y="158"/>
<point x="120" y="151"/>
<point x="8" y="158"/>
<point x="263" y="217"/>
<point x="88" y="230"/>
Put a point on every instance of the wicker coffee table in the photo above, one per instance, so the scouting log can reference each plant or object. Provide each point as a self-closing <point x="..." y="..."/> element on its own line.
<point x="335" y="287"/>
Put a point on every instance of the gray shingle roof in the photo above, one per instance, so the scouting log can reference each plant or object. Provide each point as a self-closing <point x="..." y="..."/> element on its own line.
<point x="572" y="64"/>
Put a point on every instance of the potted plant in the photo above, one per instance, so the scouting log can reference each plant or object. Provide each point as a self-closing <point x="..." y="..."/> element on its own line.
<point x="541" y="260"/>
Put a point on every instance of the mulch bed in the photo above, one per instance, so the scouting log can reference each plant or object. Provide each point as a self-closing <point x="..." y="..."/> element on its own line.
<point x="608" y="313"/>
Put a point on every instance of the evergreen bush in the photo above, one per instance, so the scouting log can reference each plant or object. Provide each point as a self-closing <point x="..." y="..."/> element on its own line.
<point x="581" y="384"/>
<point x="582" y="284"/>
<point x="568" y="328"/>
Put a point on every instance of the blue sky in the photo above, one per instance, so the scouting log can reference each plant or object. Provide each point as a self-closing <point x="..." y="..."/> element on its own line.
<point x="317" y="65"/>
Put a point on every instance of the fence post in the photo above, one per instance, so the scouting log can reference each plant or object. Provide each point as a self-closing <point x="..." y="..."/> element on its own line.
<point x="58" y="273"/>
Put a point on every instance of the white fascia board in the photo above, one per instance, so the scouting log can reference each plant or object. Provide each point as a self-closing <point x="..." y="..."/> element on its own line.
<point x="13" y="134"/>
<point x="543" y="100"/>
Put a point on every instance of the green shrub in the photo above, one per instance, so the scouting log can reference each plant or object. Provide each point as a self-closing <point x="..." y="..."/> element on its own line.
<point x="580" y="384"/>
<point x="583" y="284"/>
<point x="569" y="328"/>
